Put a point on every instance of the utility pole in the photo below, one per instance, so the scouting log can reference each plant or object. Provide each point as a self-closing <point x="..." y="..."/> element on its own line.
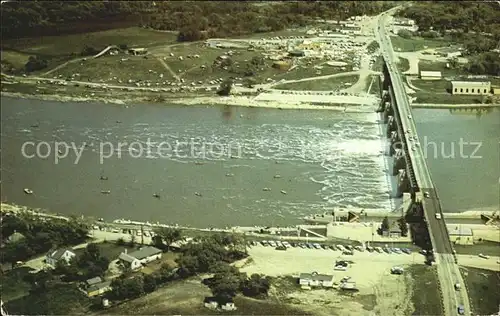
<point x="142" y="235"/>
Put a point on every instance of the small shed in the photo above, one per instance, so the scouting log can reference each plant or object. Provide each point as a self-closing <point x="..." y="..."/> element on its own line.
<point x="138" y="51"/>
<point x="431" y="75"/>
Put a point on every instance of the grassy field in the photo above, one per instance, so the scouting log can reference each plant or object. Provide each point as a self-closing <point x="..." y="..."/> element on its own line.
<point x="484" y="290"/>
<point x="74" y="43"/>
<point x="378" y="64"/>
<point x="335" y="83"/>
<point x="12" y="284"/>
<point x="438" y="86"/>
<point x="57" y="299"/>
<point x="426" y="296"/>
<point x="107" y="68"/>
<point x="424" y="65"/>
<point x="415" y="44"/>
<point x="403" y="64"/>
<point x="429" y="97"/>
<point x="309" y="71"/>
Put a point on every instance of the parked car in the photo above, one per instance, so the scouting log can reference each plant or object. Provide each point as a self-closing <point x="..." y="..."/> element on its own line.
<point x="340" y="247"/>
<point x="280" y="248"/>
<point x="332" y="247"/>
<point x="396" y="250"/>
<point x="370" y="249"/>
<point x="317" y="246"/>
<point x="310" y="246"/>
<point x="264" y="243"/>
<point x="378" y="249"/>
<point x="340" y="268"/>
<point x="301" y="245"/>
<point x="349" y="247"/>
<point x="387" y="250"/>
<point x="348" y="253"/>
<point x="325" y="247"/>
<point x="406" y="250"/>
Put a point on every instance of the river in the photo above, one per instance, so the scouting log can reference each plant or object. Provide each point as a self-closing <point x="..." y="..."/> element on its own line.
<point x="223" y="166"/>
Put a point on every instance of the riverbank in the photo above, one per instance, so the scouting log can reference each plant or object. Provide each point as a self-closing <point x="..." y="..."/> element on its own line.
<point x="241" y="101"/>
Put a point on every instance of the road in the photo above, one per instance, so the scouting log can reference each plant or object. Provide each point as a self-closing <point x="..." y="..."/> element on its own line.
<point x="448" y="272"/>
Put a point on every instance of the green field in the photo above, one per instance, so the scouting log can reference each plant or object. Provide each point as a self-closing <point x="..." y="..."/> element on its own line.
<point x="335" y="83"/>
<point x="437" y="86"/>
<point x="415" y="44"/>
<point x="123" y="67"/>
<point x="441" y="66"/>
<point x="429" y="97"/>
<point x="483" y="287"/>
<point x="485" y="247"/>
<point x="309" y="71"/>
<point x="426" y="297"/>
<point x="74" y="43"/>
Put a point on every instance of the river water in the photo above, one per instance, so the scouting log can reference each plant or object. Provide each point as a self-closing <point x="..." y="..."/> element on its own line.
<point x="218" y="166"/>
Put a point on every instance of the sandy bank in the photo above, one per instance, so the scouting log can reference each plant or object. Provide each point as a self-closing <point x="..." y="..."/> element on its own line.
<point x="242" y="101"/>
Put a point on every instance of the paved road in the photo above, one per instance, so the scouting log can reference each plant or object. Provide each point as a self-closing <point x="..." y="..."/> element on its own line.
<point x="448" y="272"/>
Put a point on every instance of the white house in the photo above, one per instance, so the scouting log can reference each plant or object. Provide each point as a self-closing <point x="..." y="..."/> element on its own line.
<point x="135" y="260"/>
<point x="315" y="279"/>
<point x="59" y="254"/>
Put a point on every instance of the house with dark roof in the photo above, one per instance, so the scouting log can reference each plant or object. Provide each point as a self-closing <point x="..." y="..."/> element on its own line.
<point x="136" y="259"/>
<point x="315" y="279"/>
<point x="57" y="255"/>
<point x="95" y="286"/>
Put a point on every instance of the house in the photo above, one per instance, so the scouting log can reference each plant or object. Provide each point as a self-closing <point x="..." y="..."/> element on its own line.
<point x="135" y="260"/>
<point x="461" y="235"/>
<point x="15" y="237"/>
<point x="138" y="51"/>
<point x="57" y="255"/>
<point x="470" y="87"/>
<point x="316" y="279"/>
<point x="430" y="75"/>
<point x="96" y="286"/>
<point x="495" y="91"/>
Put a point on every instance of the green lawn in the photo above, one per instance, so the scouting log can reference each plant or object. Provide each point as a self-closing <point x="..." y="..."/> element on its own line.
<point x="320" y="84"/>
<point x="429" y="97"/>
<point x="57" y="299"/>
<point x="378" y="64"/>
<point x="425" y="65"/>
<point x="305" y="71"/>
<point x="483" y="287"/>
<point x="415" y="44"/>
<point x="74" y="43"/>
<point x="439" y="86"/>
<point x="12" y="284"/>
<point x="425" y="297"/>
<point x="107" y="67"/>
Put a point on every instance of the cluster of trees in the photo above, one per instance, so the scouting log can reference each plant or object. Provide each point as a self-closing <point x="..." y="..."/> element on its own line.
<point x="463" y="16"/>
<point x="228" y="281"/>
<point x="485" y="63"/>
<point x="126" y="287"/>
<point x="38" y="236"/>
<point x="89" y="264"/>
<point x="193" y="20"/>
<point x="385" y="226"/>
<point x="35" y="63"/>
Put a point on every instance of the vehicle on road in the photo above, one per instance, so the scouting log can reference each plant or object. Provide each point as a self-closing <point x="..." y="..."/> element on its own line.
<point x="406" y="250"/>
<point x="317" y="246"/>
<point x="483" y="256"/>
<point x="280" y="248"/>
<point x="426" y="194"/>
<point x="438" y="215"/>
<point x="457" y="287"/>
<point x="461" y="310"/>
<point x="348" y="253"/>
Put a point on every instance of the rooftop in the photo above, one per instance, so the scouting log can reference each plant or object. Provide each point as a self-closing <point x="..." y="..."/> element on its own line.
<point x="94" y="280"/>
<point x="145" y="252"/>
<point x="57" y="254"/>
<point x="430" y="73"/>
<point x="460" y="231"/>
<point x="471" y="83"/>
<point x="98" y="286"/>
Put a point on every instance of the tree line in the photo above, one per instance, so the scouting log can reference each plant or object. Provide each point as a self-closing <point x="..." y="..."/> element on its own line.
<point x="193" y="19"/>
<point x="37" y="236"/>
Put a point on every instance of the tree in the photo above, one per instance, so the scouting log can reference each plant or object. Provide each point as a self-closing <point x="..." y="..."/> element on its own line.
<point x="149" y="283"/>
<point x="167" y="236"/>
<point x="224" y="285"/>
<point x="405" y="33"/>
<point x="256" y="286"/>
<point x="403" y="226"/>
<point x="225" y="87"/>
<point x="35" y="63"/>
<point x="385" y="224"/>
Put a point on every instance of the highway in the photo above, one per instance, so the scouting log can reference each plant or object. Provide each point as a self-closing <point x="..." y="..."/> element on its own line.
<point x="448" y="271"/>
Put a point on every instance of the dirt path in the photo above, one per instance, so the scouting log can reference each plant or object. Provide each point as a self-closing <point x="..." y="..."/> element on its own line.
<point x="167" y="67"/>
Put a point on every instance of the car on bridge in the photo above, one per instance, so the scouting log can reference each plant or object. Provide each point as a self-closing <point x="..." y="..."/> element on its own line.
<point x="438" y="215"/>
<point x="461" y="310"/>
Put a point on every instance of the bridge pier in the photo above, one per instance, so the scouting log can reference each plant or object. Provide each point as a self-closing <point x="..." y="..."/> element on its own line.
<point x="395" y="143"/>
<point x="403" y="183"/>
<point x="391" y="126"/>
<point x="399" y="162"/>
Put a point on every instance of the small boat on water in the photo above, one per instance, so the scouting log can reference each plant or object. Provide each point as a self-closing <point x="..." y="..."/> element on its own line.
<point x="199" y="163"/>
<point x="229" y="174"/>
<point x="156" y="195"/>
<point x="277" y="176"/>
<point x="60" y="152"/>
<point x="118" y="121"/>
<point x="35" y="125"/>
<point x="197" y="193"/>
<point x="266" y="189"/>
<point x="106" y="192"/>
<point x="283" y="191"/>
<point x="28" y="191"/>
<point x="104" y="178"/>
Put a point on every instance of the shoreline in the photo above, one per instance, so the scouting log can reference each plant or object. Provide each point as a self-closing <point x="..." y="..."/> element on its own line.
<point x="233" y="100"/>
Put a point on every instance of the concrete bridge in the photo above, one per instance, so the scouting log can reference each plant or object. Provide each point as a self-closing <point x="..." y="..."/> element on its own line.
<point x="413" y="174"/>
